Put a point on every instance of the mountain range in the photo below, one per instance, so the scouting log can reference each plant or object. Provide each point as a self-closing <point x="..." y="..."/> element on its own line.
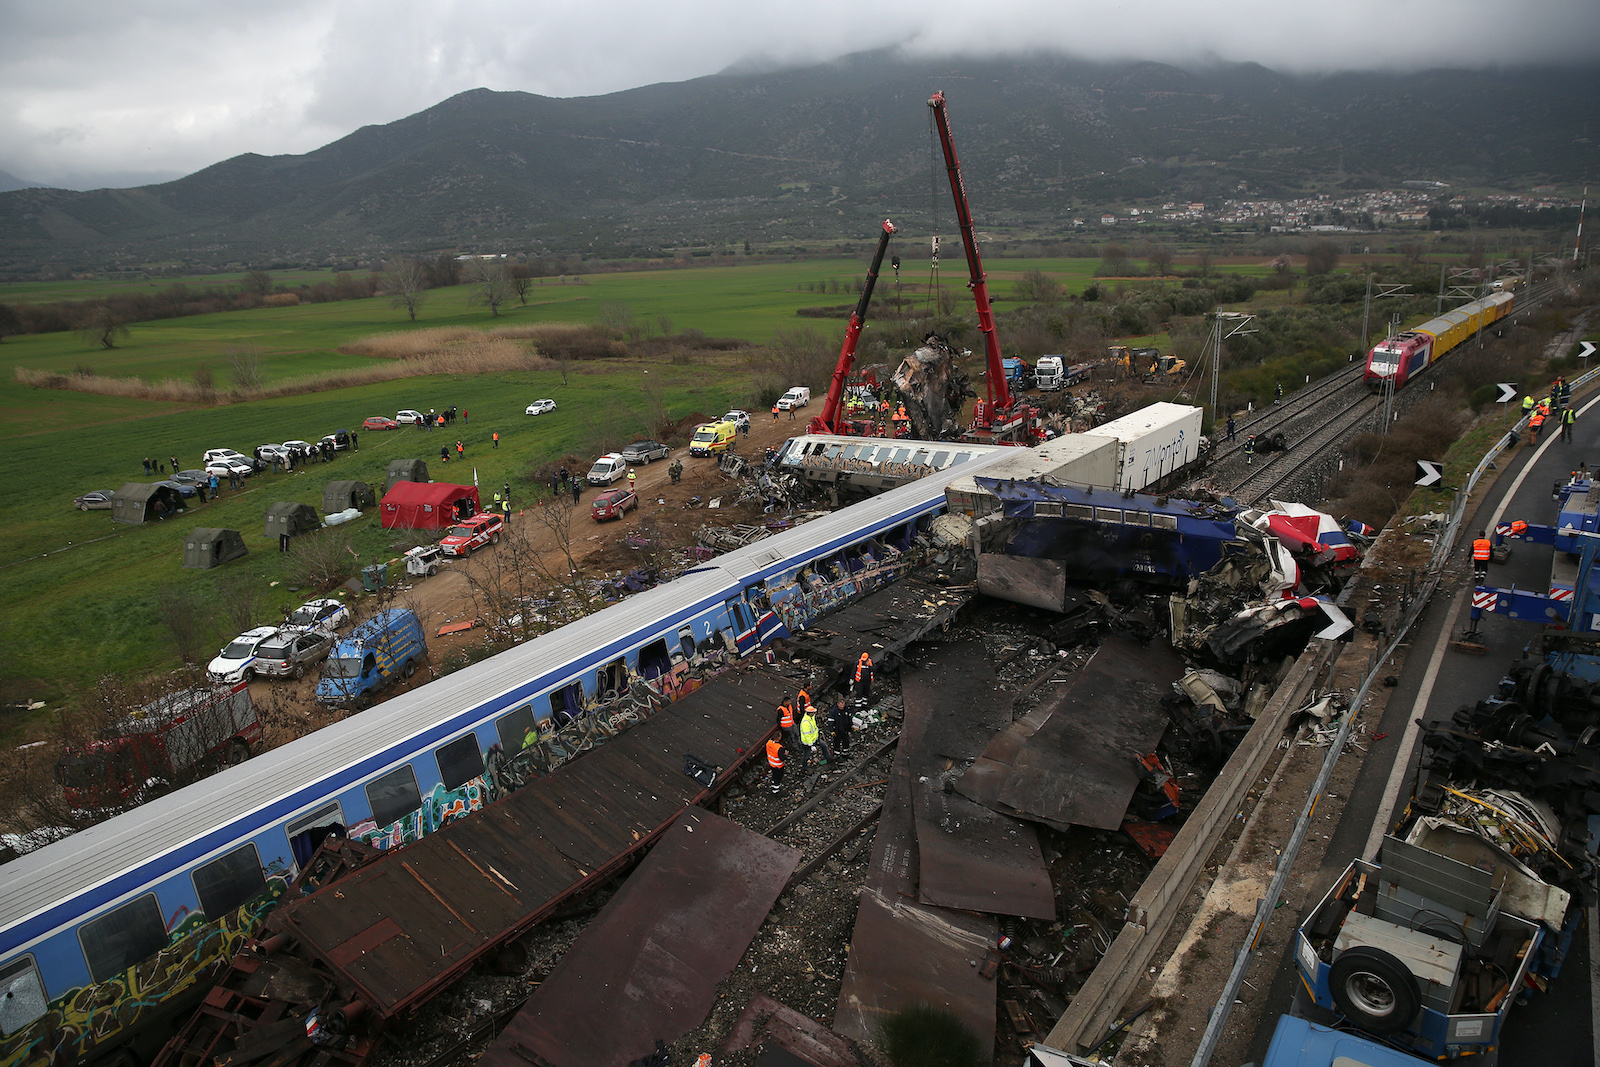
<point x="824" y="152"/>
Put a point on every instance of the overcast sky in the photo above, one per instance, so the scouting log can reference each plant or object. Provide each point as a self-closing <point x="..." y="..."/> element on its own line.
<point x="120" y="92"/>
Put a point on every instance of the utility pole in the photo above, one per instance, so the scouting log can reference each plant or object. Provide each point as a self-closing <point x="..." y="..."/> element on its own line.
<point x="1218" y="335"/>
<point x="1366" y="314"/>
<point x="1582" y="207"/>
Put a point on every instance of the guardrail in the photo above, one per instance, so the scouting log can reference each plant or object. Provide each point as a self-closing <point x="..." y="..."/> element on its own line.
<point x="1442" y="547"/>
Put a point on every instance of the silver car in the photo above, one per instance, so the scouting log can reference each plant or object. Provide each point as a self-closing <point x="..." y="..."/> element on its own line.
<point x="287" y="653"/>
<point x="644" y="451"/>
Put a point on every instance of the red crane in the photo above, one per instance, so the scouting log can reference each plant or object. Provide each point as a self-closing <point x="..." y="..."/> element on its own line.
<point x="1000" y="399"/>
<point x="828" y="420"/>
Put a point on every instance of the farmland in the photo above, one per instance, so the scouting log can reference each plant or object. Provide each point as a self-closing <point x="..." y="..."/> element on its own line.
<point x="85" y="595"/>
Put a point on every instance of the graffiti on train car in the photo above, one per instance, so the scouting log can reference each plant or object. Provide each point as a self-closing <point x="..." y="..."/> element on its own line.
<point x="810" y="595"/>
<point x="439" y="807"/>
<point x="889" y="469"/>
<point x="80" y="1020"/>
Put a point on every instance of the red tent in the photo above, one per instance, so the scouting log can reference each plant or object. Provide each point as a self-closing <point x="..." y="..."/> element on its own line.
<point x="426" y="505"/>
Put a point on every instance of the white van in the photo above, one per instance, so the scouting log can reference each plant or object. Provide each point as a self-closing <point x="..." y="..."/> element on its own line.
<point x="607" y="469"/>
<point x="798" y="397"/>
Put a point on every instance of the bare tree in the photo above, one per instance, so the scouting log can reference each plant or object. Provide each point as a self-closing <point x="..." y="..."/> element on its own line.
<point x="1321" y="257"/>
<point x="243" y="604"/>
<point x="1039" y="287"/>
<point x="564" y="362"/>
<point x="657" y="421"/>
<point x="557" y="516"/>
<point x="507" y="583"/>
<point x="405" y="281"/>
<point x="244" y="365"/>
<point x="1113" y="260"/>
<point x="664" y="324"/>
<point x="256" y="281"/>
<point x="322" y="559"/>
<point x="1206" y="261"/>
<point x="521" y="279"/>
<point x="1160" y="259"/>
<point x="491" y="283"/>
<point x="617" y="315"/>
<point x="188" y="620"/>
<point x="102" y="326"/>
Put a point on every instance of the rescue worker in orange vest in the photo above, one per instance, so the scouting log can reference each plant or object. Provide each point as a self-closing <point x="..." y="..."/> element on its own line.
<point x="1535" y="424"/>
<point x="786" y="721"/>
<point x="863" y="680"/>
<point x="775" y="763"/>
<point x="1481" y="547"/>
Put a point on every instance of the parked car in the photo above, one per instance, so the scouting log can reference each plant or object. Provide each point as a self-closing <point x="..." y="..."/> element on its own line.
<point x="738" y="416"/>
<point x="466" y="536"/>
<point x="301" y="449"/>
<point x="94" y="500"/>
<point x="607" y="469"/>
<point x="645" y="451"/>
<point x="379" y="422"/>
<point x="181" y="488"/>
<point x="237" y="662"/>
<point x="612" y="503"/>
<point x="408" y="417"/>
<point x="339" y="439"/>
<point x="192" y="477"/>
<point x="223" y="467"/>
<point x="216" y="454"/>
<point x="798" y="397"/>
<point x="539" y="407"/>
<point x="322" y="614"/>
<point x="267" y="453"/>
<point x="287" y="653"/>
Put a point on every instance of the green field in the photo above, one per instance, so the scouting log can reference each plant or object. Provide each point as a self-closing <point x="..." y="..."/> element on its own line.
<point x="83" y="592"/>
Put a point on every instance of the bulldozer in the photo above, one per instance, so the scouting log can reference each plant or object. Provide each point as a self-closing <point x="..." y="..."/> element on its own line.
<point x="1167" y="366"/>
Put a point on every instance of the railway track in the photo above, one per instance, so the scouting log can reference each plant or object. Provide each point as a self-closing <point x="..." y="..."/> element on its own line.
<point x="1278" y="468"/>
<point x="1279" y="416"/>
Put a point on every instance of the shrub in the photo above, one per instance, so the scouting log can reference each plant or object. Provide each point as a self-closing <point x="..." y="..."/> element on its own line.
<point x="924" y="1036"/>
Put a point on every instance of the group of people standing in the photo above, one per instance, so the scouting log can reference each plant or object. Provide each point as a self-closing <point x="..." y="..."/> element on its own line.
<point x="800" y="736"/>
<point x="438" y="420"/>
<point x="1556" y="404"/>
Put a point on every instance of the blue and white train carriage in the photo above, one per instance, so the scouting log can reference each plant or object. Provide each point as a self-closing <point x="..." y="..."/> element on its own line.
<point x="108" y="933"/>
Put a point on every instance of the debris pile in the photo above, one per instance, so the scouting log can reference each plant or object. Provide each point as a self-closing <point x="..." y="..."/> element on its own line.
<point x="932" y="388"/>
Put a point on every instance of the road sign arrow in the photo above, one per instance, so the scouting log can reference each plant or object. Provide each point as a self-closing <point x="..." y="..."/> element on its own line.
<point x="1508" y="392"/>
<point x="1586" y="349"/>
<point x="1429" y="472"/>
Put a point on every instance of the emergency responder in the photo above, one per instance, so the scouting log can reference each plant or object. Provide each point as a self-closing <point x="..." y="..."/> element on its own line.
<point x="786" y="720"/>
<point x="1535" y="424"/>
<point x="1278" y="394"/>
<point x="1527" y="403"/>
<point x="1231" y="427"/>
<point x="775" y="763"/>
<point x="863" y="680"/>
<point x="839" y="719"/>
<point x="1250" y="449"/>
<point x="1568" y="417"/>
<point x="1481" y="548"/>
<point x="809" y="736"/>
<point x="675" y="471"/>
<point x="633" y="480"/>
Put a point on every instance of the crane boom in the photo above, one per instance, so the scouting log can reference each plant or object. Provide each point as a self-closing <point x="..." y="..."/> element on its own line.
<point x="828" y="421"/>
<point x="995" y="379"/>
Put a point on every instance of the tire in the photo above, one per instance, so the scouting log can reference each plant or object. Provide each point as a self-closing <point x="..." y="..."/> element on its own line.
<point x="83" y="507"/>
<point x="238" y="751"/>
<point x="363" y="702"/>
<point x="249" y="675"/>
<point x="495" y="540"/>
<point x="299" y="671"/>
<point x="1374" y="989"/>
<point x="409" y="669"/>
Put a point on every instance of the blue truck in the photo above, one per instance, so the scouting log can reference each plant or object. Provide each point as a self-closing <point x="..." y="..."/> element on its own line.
<point x="385" y="647"/>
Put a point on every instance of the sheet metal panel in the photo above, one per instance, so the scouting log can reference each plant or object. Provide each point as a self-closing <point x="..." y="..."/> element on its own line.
<point x="882" y="622"/>
<point x="415" y="918"/>
<point x="648" y="967"/>
<point x="969" y="856"/>
<point x="1070" y="761"/>
<point x="904" y="951"/>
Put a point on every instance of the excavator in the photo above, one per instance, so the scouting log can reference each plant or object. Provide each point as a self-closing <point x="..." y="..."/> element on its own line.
<point x="999" y="418"/>
<point x="831" y="418"/>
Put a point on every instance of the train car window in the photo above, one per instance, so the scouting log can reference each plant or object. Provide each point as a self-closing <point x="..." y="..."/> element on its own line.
<point x="21" y="995"/>
<point x="119" y="939"/>
<point x="653" y="659"/>
<point x="614" y="678"/>
<point x="460" y="761"/>
<point x="566" y="703"/>
<point x="513" y="728"/>
<point x="306" y="832"/>
<point x="228" y="881"/>
<point x="941" y="459"/>
<point x="960" y="458"/>
<point x="686" y="643"/>
<point x="393" y="796"/>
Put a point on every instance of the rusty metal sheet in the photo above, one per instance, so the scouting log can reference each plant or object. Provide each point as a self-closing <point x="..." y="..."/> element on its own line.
<point x="410" y="921"/>
<point x="781" y="1030"/>
<point x="1070" y="762"/>
<point x="969" y="856"/>
<point x="648" y="967"/>
<point x="904" y="951"/>
<point x="882" y="622"/>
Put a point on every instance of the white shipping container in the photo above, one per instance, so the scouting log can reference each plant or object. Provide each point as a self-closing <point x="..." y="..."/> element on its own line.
<point x="1153" y="443"/>
<point x="1075" y="459"/>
